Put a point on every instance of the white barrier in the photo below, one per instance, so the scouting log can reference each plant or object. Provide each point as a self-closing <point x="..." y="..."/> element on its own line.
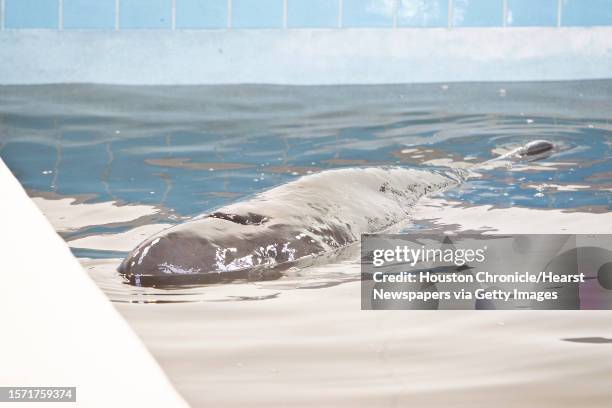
<point x="58" y="328"/>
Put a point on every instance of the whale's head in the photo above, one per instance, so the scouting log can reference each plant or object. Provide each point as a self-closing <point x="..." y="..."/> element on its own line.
<point x="221" y="247"/>
<point x="173" y="253"/>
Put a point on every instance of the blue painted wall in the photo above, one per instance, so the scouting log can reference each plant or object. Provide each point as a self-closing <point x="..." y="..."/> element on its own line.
<point x="89" y="14"/>
<point x="526" y="13"/>
<point x="587" y="12"/>
<point x="478" y="13"/>
<point x="312" y="13"/>
<point x="367" y="13"/>
<point x="423" y="13"/>
<point x="203" y="14"/>
<point x="140" y="14"/>
<point x="31" y="14"/>
<point x="257" y="13"/>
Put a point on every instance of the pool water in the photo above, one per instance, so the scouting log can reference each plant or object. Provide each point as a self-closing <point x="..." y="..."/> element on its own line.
<point x="189" y="150"/>
<point x="110" y="165"/>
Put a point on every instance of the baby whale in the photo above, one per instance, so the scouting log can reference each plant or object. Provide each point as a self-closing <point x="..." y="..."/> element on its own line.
<point x="286" y="226"/>
<point x="294" y="224"/>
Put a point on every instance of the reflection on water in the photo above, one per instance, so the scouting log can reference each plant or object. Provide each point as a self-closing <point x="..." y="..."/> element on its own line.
<point x="111" y="165"/>
<point x="591" y="340"/>
<point x="104" y="273"/>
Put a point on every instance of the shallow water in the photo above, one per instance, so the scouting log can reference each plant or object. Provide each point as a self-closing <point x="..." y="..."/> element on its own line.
<point x="110" y="165"/>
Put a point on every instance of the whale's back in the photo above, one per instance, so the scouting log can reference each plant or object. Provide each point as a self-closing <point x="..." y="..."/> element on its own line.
<point x="311" y="216"/>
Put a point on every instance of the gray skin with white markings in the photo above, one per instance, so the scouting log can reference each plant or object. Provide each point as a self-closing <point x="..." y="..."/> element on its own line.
<point x="293" y="224"/>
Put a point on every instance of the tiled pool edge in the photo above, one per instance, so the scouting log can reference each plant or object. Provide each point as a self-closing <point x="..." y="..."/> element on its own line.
<point x="60" y="329"/>
<point x="324" y="56"/>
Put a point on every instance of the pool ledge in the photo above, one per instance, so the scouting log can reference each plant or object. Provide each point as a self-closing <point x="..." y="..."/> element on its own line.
<point x="324" y="56"/>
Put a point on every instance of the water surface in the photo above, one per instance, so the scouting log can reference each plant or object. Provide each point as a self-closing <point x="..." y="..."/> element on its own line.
<point x="111" y="165"/>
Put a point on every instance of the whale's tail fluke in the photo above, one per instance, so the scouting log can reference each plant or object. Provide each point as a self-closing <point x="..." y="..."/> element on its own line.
<point x="532" y="151"/>
<point x="536" y="148"/>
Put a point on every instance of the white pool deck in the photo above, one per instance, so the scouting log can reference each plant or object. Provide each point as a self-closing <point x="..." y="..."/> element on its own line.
<point x="58" y="328"/>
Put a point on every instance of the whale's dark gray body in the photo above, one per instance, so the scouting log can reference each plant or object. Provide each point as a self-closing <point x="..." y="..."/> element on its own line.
<point x="288" y="225"/>
<point x="291" y="225"/>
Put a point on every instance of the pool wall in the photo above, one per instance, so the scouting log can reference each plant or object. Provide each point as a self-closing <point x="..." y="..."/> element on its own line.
<point x="330" y="41"/>
<point x="214" y="14"/>
<point x="305" y="56"/>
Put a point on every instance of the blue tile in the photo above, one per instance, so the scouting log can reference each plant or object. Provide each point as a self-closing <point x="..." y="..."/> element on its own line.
<point x="368" y="13"/>
<point x="201" y="13"/>
<point x="257" y="13"/>
<point x="478" y="13"/>
<point x="586" y="12"/>
<point x="31" y="14"/>
<point x="312" y="13"/>
<point x="525" y="13"/>
<point x="146" y="14"/>
<point x="422" y="13"/>
<point x="93" y="14"/>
